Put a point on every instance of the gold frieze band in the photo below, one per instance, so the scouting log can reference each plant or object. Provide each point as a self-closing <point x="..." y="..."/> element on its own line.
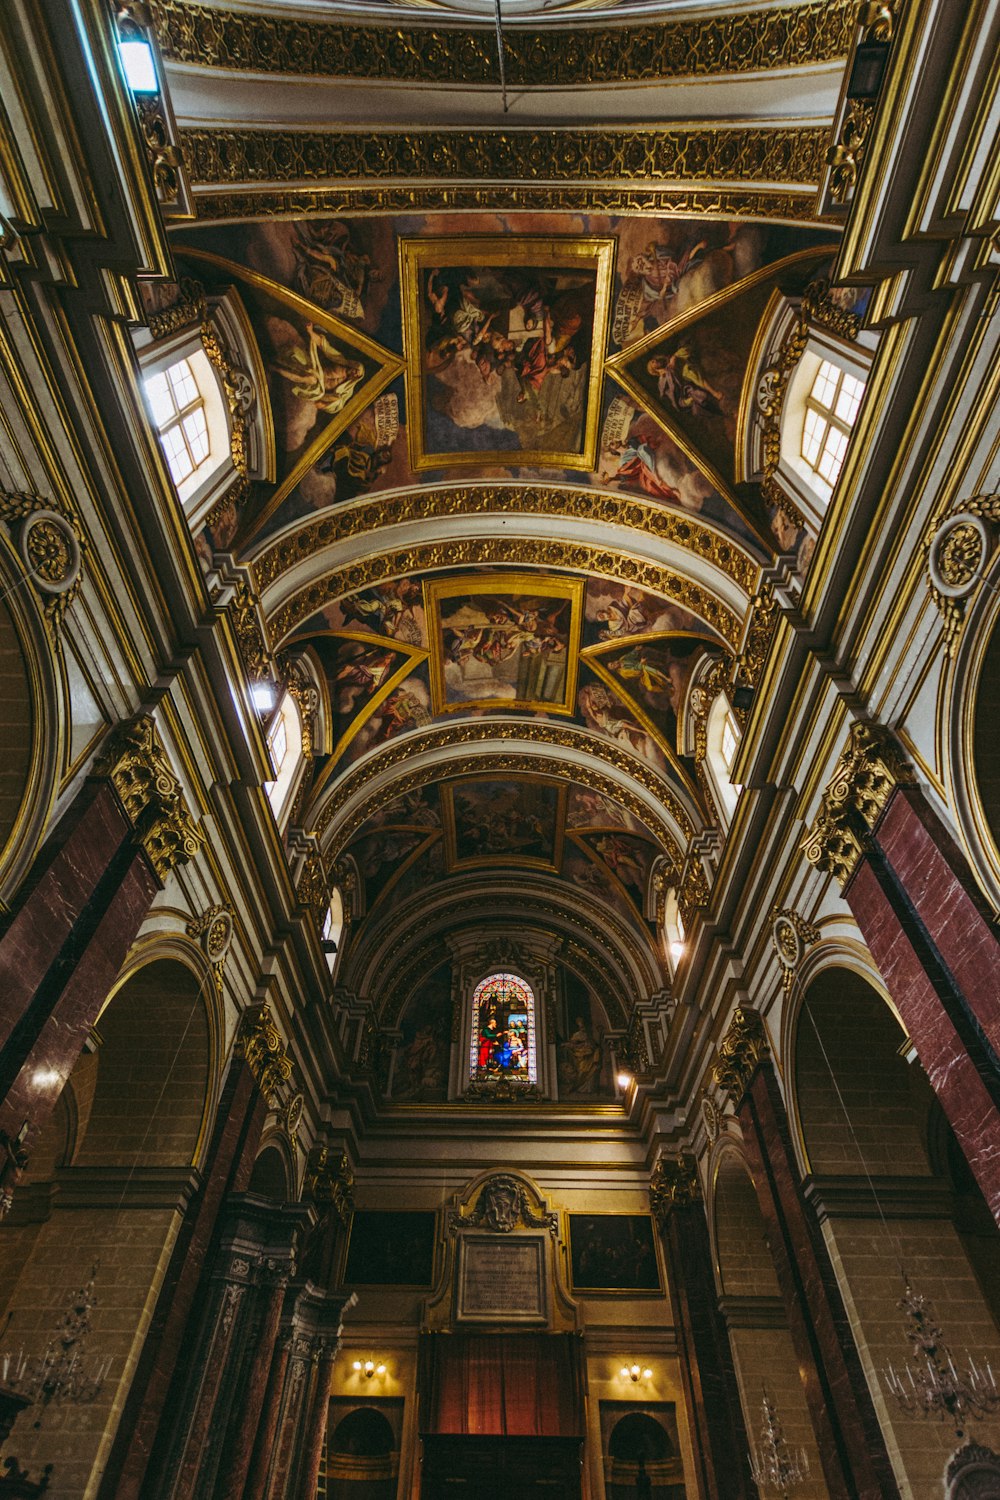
<point x="755" y="41"/>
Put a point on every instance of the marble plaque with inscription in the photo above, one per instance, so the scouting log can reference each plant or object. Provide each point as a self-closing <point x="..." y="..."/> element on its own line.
<point x="501" y="1279"/>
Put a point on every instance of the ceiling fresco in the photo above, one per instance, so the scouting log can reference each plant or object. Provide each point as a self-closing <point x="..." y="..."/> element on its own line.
<point x="434" y="348"/>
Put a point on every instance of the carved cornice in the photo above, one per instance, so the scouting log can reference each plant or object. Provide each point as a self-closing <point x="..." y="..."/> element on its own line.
<point x="791" y="935"/>
<point x="329" y="1182"/>
<point x="741" y="1051"/>
<point x="866" y="775"/>
<point x="776" y="155"/>
<point x="792" y="206"/>
<point x="452" y="736"/>
<point x="260" y="1043"/>
<point x="750" y="42"/>
<point x="674" y="1184"/>
<point x="457" y="552"/>
<point x="365" y="517"/>
<point x="136" y="764"/>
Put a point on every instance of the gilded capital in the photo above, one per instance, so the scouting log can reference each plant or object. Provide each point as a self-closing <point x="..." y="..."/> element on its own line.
<point x="743" y="1048"/>
<point x="260" y="1043"/>
<point x="136" y="764"/>
<point x="866" y="775"/>
<point x="674" y="1184"/>
<point x="330" y="1181"/>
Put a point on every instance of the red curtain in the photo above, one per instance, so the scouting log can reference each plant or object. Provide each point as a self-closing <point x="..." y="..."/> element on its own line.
<point x="502" y="1384"/>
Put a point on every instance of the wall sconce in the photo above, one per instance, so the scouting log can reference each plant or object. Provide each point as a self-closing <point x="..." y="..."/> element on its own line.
<point x="624" y="1080"/>
<point x="368" y="1368"/>
<point x="635" y="1373"/>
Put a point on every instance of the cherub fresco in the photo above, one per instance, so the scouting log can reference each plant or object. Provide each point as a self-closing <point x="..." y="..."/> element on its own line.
<point x="683" y="385"/>
<point x="329" y="269"/>
<point x="587" y="808"/>
<point x="358" y="673"/>
<point x="320" y="372"/>
<point x="628" y="859"/>
<point x="604" y="712"/>
<point x="407" y="707"/>
<point x="394" y="609"/>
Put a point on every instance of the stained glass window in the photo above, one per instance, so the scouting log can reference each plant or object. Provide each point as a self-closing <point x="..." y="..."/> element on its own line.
<point x="503" y="1029"/>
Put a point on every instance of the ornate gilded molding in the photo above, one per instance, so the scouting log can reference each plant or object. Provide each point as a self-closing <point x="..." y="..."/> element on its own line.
<point x="313" y="889"/>
<point x="365" y="517"/>
<point x="329" y="1181"/>
<point x="259" y="1042"/>
<point x="451" y="736"/>
<point x="866" y="775"/>
<point x="769" y="402"/>
<point x="51" y="546"/>
<point x="251" y="631"/>
<point x="820" y="308"/>
<point x="136" y="764"/>
<point x="791" y="935"/>
<point x="762" y="618"/>
<point x="743" y="1048"/>
<point x="157" y="126"/>
<point x="749" y="42"/>
<point x="958" y="545"/>
<point x="674" y="1184"/>
<point x="711" y="1117"/>
<point x="791" y="206"/>
<point x="215" y="929"/>
<point x="503" y="1206"/>
<point x="846" y="155"/>
<point x="750" y="153"/>
<point x="632" y="1049"/>
<point x="457" y="552"/>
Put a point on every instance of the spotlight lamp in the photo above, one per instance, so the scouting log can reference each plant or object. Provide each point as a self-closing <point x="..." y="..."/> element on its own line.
<point x="368" y="1368"/>
<point x="636" y="1372"/>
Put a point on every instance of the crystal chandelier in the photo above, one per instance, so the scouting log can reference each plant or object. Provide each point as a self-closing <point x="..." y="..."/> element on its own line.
<point x="929" y="1384"/>
<point x="62" y="1373"/>
<point x="776" y="1466"/>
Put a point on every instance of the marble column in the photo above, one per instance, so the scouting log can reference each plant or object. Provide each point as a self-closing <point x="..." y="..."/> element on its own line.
<point x="75" y="918"/>
<point x="311" y="1329"/>
<point x="316" y="1419"/>
<point x="718" y="1433"/>
<point x="140" y="1441"/>
<point x="928" y="930"/>
<point x="852" y="1450"/>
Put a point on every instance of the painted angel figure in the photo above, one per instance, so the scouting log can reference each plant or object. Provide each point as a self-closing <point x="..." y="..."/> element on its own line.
<point x="320" y="372"/>
<point x="680" y="382"/>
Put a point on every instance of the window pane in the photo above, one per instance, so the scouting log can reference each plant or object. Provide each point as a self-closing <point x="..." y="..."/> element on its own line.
<point x="849" y="399"/>
<point x="503" y="1030"/>
<point x="278" y="743"/>
<point x="730" y="741"/>
<point x="176" y="453"/>
<point x="160" y="400"/>
<point x="813" y="432"/>
<point x="196" y="431"/>
<point x="832" y="460"/>
<point x="184" y="385"/>
<point x="825" y="385"/>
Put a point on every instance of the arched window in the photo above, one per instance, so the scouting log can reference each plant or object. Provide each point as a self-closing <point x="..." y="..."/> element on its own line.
<point x="333" y="927"/>
<point x="284" y="745"/>
<point x="674" y="932"/>
<point x="831" y="409"/>
<point x="503" y="1030"/>
<point x="721" y="748"/>
<point x="178" y="408"/>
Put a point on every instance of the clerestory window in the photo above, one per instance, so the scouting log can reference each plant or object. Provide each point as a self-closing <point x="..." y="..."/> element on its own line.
<point x="831" y="410"/>
<point x="178" y="409"/>
<point x="503" y="1030"/>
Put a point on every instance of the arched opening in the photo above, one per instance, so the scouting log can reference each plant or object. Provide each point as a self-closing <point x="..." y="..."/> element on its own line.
<point x="107" y="1186"/>
<point x="362" y="1463"/>
<point x="866" y="1115"/>
<point x="269" y="1177"/>
<point x="985" y="762"/>
<point x="751" y="1302"/>
<point x="722" y="745"/>
<point x="643" y="1460"/>
<point x="284" y="746"/>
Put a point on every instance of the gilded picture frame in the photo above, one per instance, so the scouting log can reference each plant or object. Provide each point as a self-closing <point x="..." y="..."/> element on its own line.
<point x="571" y="256"/>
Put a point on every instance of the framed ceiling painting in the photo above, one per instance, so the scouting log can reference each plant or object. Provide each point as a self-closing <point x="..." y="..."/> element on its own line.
<point x="505" y="341"/>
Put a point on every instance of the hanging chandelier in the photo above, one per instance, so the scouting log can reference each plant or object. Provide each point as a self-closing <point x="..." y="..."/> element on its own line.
<point x="775" y="1465"/>
<point x="930" y="1384"/>
<point x="63" y="1372"/>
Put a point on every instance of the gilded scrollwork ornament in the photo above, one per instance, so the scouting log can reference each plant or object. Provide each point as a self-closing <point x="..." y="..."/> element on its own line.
<point x="250" y="631"/>
<point x="742" y="1050"/>
<point x="791" y="935"/>
<point x="503" y="1206"/>
<point x="51" y="546"/>
<point x="845" y="157"/>
<point x="674" y="1184"/>
<point x="313" y="889"/>
<point x="260" y="1043"/>
<point x="958" y="545"/>
<point x="214" y="928"/>
<point x="135" y="762"/>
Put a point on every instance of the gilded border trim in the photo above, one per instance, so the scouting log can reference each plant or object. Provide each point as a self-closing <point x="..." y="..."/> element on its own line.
<point x="609" y="508"/>
<point x="507" y="551"/>
<point x="774" y="154"/>
<point x="757" y="41"/>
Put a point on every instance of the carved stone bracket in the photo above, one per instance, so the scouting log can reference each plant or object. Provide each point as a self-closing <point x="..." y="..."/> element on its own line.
<point x="313" y="888"/>
<point x="743" y="1048"/>
<point x="251" y="631"/>
<point x="136" y="764"/>
<point x="866" y="775"/>
<point x="790" y="936"/>
<point x="958" y="545"/>
<point x="260" y="1043"/>
<point x="215" y="930"/>
<point x="329" y="1180"/>
<point x="674" y="1184"/>
<point x="503" y="1206"/>
<point x="51" y="546"/>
